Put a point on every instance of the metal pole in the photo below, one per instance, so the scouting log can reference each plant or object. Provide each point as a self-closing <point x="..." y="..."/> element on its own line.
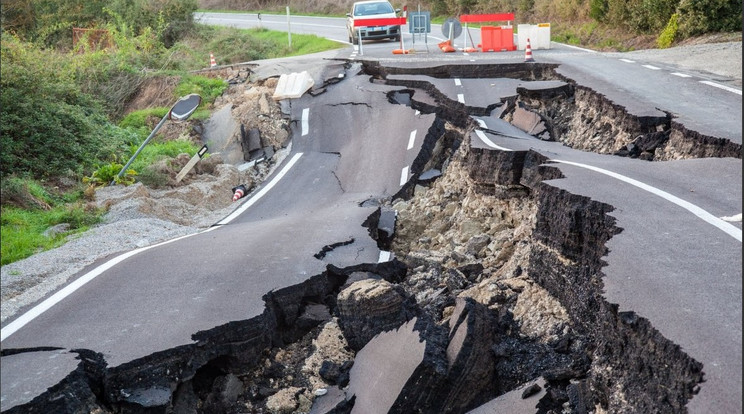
<point x="289" y="29"/>
<point x="359" y="37"/>
<point x="136" y="153"/>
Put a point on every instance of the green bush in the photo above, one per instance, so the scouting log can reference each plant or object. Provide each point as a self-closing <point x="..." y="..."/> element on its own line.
<point x="108" y="173"/>
<point x="666" y="38"/>
<point x="697" y="17"/>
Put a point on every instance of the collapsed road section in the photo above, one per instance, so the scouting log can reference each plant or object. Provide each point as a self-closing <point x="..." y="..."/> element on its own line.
<point x="494" y="300"/>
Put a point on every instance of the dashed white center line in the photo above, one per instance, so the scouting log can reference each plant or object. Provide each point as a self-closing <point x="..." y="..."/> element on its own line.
<point x="627" y="60"/>
<point x="458" y="82"/>
<point x="681" y="75"/>
<point x="460" y="98"/>
<point x="404" y="175"/>
<point x="412" y="139"/>
<point x="305" y="121"/>
<point x="652" y="67"/>
<point x="724" y="87"/>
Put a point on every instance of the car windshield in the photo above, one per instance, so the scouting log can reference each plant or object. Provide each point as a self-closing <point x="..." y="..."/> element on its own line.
<point x="368" y="9"/>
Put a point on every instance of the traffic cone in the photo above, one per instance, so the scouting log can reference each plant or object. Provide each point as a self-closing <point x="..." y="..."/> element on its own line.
<point x="212" y="62"/>
<point x="528" y="52"/>
<point x="446" y="46"/>
<point x="238" y="192"/>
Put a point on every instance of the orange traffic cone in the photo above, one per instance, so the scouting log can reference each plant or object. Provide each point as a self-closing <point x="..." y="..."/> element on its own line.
<point x="446" y="46"/>
<point x="528" y="52"/>
<point x="212" y="62"/>
<point x="238" y="192"/>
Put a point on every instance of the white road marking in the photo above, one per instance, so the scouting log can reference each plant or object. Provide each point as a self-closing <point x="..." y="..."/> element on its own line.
<point x="727" y="228"/>
<point x="404" y="175"/>
<point x="460" y="98"/>
<point x="627" y="60"/>
<point x="724" y="87"/>
<point x="482" y="136"/>
<point x="736" y="218"/>
<point x="577" y="48"/>
<point x="418" y="112"/>
<point x="44" y="306"/>
<point x="652" y="67"/>
<point x="482" y="123"/>
<point x="384" y="256"/>
<point x="681" y="75"/>
<point x="458" y="82"/>
<point x="305" y="121"/>
<point x="412" y="139"/>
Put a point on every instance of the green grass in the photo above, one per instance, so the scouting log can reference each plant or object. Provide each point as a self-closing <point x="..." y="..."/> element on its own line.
<point x="22" y="229"/>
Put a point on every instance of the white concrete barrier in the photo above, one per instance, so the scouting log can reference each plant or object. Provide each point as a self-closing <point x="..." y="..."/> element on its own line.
<point x="539" y="35"/>
<point x="293" y="85"/>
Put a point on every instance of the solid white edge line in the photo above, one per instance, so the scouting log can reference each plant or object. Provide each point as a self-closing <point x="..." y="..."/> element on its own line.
<point x="724" y="87"/>
<point x="305" y="121"/>
<point x="461" y="98"/>
<point x="404" y="175"/>
<point x="727" y="228"/>
<point x="45" y="305"/>
<point x="261" y="192"/>
<point x="652" y="67"/>
<point x="482" y="136"/>
<point x="411" y="139"/>
<point x="42" y="307"/>
<point x="576" y="47"/>
<point x="481" y="123"/>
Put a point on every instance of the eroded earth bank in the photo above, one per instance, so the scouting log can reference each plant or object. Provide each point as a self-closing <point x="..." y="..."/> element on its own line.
<point x="493" y="298"/>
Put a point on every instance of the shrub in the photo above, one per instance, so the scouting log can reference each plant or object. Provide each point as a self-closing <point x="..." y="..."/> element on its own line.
<point x="704" y="16"/>
<point x="666" y="38"/>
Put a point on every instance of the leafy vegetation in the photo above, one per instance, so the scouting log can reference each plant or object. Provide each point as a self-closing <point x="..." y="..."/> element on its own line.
<point x="62" y="101"/>
<point x="29" y="210"/>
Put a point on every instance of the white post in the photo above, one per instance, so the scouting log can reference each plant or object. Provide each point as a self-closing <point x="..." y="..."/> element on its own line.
<point x="359" y="36"/>
<point x="289" y="29"/>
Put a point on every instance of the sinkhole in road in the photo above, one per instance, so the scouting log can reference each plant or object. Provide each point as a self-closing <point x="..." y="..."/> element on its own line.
<point x="495" y="288"/>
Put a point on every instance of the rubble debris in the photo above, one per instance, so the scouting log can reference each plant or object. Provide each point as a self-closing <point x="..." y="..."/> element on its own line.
<point x="369" y="307"/>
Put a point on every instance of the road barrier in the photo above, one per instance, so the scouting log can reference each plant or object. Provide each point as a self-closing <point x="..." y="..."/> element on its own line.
<point x="385" y="21"/>
<point x="493" y="39"/>
<point x="539" y="35"/>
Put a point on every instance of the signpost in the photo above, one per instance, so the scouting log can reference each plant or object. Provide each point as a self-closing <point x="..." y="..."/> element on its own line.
<point x="180" y="111"/>
<point x="192" y="162"/>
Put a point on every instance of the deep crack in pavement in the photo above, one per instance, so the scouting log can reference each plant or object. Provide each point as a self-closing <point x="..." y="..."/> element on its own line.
<point x="496" y="282"/>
